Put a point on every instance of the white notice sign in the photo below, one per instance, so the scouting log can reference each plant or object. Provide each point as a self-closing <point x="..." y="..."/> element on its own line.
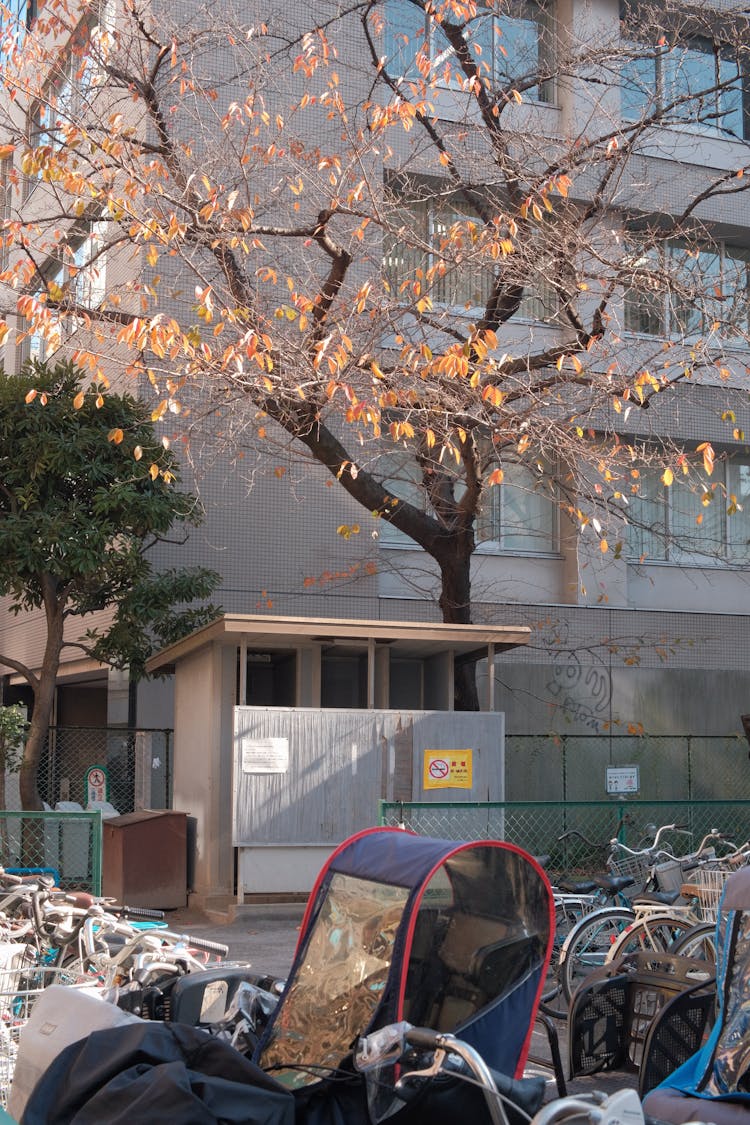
<point x="623" y="779"/>
<point x="265" y="755"/>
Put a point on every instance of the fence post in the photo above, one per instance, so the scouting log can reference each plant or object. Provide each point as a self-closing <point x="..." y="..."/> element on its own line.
<point x="622" y="833"/>
<point x="96" y="852"/>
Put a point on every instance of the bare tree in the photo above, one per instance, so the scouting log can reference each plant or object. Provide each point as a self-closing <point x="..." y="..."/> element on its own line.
<point x="447" y="250"/>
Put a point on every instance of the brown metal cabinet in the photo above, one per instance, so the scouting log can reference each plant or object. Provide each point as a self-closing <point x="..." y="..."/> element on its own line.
<point x="145" y="858"/>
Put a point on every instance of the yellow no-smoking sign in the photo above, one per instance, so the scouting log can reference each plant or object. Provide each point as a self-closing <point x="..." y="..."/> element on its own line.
<point x="447" y="769"/>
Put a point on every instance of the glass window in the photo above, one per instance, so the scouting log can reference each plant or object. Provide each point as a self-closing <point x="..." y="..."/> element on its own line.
<point x="692" y="521"/>
<point x="694" y="81"/>
<point x="679" y="290"/>
<point x="404" y="480"/>
<point x="738" y="510"/>
<point x="78" y="279"/>
<point x="438" y="242"/>
<point x="67" y="93"/>
<point x="512" y="47"/>
<point x="519" y="514"/>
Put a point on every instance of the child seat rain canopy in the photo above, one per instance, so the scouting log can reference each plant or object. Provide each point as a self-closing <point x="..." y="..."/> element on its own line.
<point x="452" y="936"/>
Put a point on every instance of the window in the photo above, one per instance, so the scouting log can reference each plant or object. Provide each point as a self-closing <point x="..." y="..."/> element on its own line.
<point x="443" y="244"/>
<point x="20" y="16"/>
<point x="6" y="203"/>
<point x="692" y="523"/>
<point x="510" y="48"/>
<point x="67" y="94"/>
<point x="79" y="279"/>
<point x="679" y="290"/>
<point x="695" y="81"/>
<point x="520" y="514"/>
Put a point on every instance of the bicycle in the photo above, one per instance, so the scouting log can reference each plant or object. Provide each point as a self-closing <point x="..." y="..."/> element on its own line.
<point x="591" y="940"/>
<point x="659" y="927"/>
<point x="575" y="899"/>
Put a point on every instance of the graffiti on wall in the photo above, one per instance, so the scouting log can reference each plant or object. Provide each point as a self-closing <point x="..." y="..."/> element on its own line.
<point x="582" y="693"/>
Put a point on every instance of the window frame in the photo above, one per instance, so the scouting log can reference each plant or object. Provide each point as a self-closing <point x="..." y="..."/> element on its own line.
<point x="726" y="552"/>
<point x="439" y="50"/>
<point x="639" y="305"/>
<point x="83" y="275"/>
<point x="424" y="212"/>
<point x="405" y="487"/>
<point x="659" y="90"/>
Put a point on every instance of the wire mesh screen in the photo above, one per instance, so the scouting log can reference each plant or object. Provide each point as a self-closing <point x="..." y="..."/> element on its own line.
<point x="135" y="763"/>
<point x="68" y="845"/>
<point x="538" y="827"/>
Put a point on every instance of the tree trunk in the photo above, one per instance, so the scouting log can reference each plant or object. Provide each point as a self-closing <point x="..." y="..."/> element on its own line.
<point x="455" y="605"/>
<point x="44" y="695"/>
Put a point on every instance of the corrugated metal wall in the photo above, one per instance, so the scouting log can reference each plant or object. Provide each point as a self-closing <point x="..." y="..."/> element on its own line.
<point x="340" y="763"/>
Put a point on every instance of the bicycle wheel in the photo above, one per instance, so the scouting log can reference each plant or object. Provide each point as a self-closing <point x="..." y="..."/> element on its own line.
<point x="653" y="933"/>
<point x="568" y="912"/>
<point x="588" y="943"/>
<point x="699" y="941"/>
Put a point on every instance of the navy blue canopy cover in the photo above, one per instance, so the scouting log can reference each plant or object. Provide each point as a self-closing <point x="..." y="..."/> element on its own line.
<point x="453" y="936"/>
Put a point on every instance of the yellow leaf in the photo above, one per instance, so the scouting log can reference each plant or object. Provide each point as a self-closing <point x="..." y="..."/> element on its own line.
<point x="31" y="396"/>
<point x="495" y="477"/>
<point x="603" y="546"/>
<point x="78" y="401"/>
<point x="153" y="472"/>
<point x="115" y="435"/>
<point x="667" y="477"/>
<point x="137" y="452"/>
<point x="279" y="471"/>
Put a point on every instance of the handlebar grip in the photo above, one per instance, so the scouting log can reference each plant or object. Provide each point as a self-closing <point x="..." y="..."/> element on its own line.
<point x="11" y="880"/>
<point x="206" y="945"/>
<point x="423" y="1037"/>
<point x="140" y="912"/>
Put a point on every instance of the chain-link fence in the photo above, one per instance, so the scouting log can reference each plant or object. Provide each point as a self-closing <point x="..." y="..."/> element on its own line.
<point x="537" y="826"/>
<point x="135" y="767"/>
<point x="68" y="845"/>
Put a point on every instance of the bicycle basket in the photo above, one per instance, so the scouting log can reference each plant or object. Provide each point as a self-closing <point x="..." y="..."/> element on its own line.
<point x="709" y="886"/>
<point x="635" y="867"/>
<point x="20" y="987"/>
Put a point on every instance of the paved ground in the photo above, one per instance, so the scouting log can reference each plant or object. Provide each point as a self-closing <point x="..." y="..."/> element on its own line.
<point x="266" y="936"/>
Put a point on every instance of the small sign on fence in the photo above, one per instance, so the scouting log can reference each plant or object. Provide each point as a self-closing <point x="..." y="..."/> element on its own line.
<point x="97" y="784"/>
<point x="447" y="769"/>
<point x="623" y="779"/>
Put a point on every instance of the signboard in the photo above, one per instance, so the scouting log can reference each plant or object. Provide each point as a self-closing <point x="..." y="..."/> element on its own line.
<point x="96" y="783"/>
<point x="623" y="779"/>
<point x="265" y="755"/>
<point x="447" y="769"/>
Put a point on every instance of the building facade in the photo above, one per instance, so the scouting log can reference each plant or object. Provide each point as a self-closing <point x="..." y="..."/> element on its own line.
<point x="650" y="637"/>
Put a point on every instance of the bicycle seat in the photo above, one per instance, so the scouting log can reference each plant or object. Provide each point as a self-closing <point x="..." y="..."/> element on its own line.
<point x="665" y="898"/>
<point x="577" y="886"/>
<point x="614" y="883"/>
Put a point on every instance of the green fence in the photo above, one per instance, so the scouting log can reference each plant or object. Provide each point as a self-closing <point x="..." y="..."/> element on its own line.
<point x="68" y="843"/>
<point x="537" y="826"/>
